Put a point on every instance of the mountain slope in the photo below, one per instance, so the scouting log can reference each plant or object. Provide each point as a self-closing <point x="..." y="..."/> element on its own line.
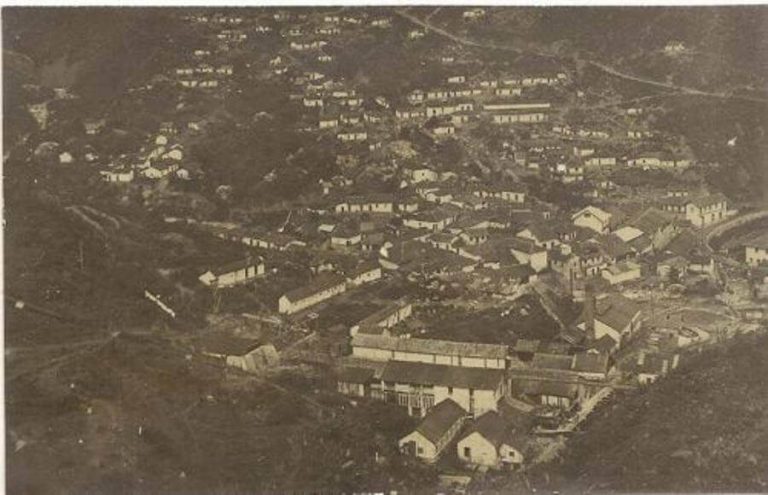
<point x="704" y="428"/>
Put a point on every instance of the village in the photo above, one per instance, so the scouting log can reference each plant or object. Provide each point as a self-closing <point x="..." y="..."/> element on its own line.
<point x="496" y="248"/>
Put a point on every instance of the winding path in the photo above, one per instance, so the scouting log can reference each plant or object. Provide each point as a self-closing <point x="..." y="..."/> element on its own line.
<point x="599" y="65"/>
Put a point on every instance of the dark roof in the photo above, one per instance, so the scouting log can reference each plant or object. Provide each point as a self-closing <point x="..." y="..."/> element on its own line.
<point x="541" y="232"/>
<point x="527" y="345"/>
<point x="355" y="374"/>
<point x="319" y="285"/>
<point x="685" y="243"/>
<point x="603" y="345"/>
<point x="613" y="246"/>
<point x="760" y="241"/>
<point x="616" y="311"/>
<point x="709" y="200"/>
<point x="235" y="266"/>
<point x="432" y="346"/>
<point x="526" y="246"/>
<point x="651" y="363"/>
<point x="552" y="361"/>
<point x="494" y="428"/>
<point x="590" y="362"/>
<point x="572" y="335"/>
<point x="438" y="374"/>
<point x="227" y="345"/>
<point x="365" y="267"/>
<point x="650" y="220"/>
<point x="545" y="387"/>
<point x="440" y="419"/>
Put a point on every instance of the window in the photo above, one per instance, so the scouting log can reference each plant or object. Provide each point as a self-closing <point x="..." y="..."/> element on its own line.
<point x="467" y="452"/>
<point x="450" y="390"/>
<point x="419" y="450"/>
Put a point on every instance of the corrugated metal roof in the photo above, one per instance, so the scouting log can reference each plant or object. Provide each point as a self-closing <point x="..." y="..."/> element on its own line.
<point x="432" y="346"/>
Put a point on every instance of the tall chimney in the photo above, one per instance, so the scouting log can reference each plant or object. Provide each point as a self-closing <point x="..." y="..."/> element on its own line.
<point x="589" y="310"/>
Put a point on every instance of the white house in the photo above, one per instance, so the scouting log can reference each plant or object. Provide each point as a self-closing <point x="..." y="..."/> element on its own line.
<point x="383" y="319"/>
<point x="648" y="367"/>
<point x="160" y="170"/>
<point x="364" y="274"/>
<point x="490" y="442"/>
<point x="231" y="274"/>
<point x="593" y="218"/>
<point x="518" y="117"/>
<point x="423" y="174"/>
<point x="419" y="386"/>
<point x="119" y="175"/>
<point x="621" y="272"/>
<point x="304" y="297"/>
<point x="706" y="210"/>
<point x="242" y="353"/>
<point x="528" y="252"/>
<point x="430" y="351"/>
<point x="614" y="316"/>
<point x="435" y="431"/>
<point x="756" y="250"/>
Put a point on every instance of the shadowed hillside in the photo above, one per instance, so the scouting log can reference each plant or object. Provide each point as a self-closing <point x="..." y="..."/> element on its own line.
<point x="702" y="429"/>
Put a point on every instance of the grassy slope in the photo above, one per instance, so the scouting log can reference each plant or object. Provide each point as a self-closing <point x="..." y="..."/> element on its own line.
<point x="75" y="428"/>
<point x="703" y="429"/>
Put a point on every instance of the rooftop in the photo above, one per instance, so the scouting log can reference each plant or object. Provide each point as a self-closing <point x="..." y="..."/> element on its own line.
<point x="440" y="419"/>
<point x="442" y="375"/>
<point x="430" y="346"/>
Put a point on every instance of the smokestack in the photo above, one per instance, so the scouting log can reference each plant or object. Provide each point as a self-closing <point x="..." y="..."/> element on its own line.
<point x="589" y="310"/>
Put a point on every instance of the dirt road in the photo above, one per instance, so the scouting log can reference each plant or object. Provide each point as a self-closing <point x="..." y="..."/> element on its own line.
<point x="599" y="65"/>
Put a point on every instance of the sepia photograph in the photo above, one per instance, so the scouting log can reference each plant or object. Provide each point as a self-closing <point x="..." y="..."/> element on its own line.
<point x="390" y="248"/>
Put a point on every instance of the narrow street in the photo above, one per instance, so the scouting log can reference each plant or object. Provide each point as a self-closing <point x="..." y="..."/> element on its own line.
<point x="552" y="450"/>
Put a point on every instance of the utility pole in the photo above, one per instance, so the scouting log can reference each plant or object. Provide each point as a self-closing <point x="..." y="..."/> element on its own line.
<point x="216" y="300"/>
<point x="80" y="257"/>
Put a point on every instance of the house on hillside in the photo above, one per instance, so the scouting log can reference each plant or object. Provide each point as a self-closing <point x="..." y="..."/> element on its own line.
<point x="593" y="218"/>
<point x="430" y="351"/>
<point x="621" y="272"/>
<point x="346" y="236"/>
<point x="548" y="392"/>
<point x="118" y="175"/>
<point x="435" y="431"/>
<point x="243" y="353"/>
<point x="304" y="297"/>
<point x="659" y="160"/>
<point x="658" y="225"/>
<point x="355" y="381"/>
<point x="649" y="367"/>
<point x="756" y="250"/>
<point x="491" y="442"/>
<point x="366" y="273"/>
<point x="530" y="253"/>
<point x="229" y="275"/>
<point x="541" y="234"/>
<point x="614" y="316"/>
<point x="382" y="320"/>
<point x="419" y="386"/>
<point x="706" y="210"/>
<point x="94" y="126"/>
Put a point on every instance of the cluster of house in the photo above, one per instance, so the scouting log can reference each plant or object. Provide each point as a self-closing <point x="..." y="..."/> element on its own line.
<point x="161" y="158"/>
<point x="463" y="98"/>
<point x="326" y="287"/>
<point x="203" y="75"/>
<point x="462" y="388"/>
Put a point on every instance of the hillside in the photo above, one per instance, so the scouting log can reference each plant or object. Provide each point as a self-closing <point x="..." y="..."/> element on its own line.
<point x="142" y="414"/>
<point x="702" y="429"/>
